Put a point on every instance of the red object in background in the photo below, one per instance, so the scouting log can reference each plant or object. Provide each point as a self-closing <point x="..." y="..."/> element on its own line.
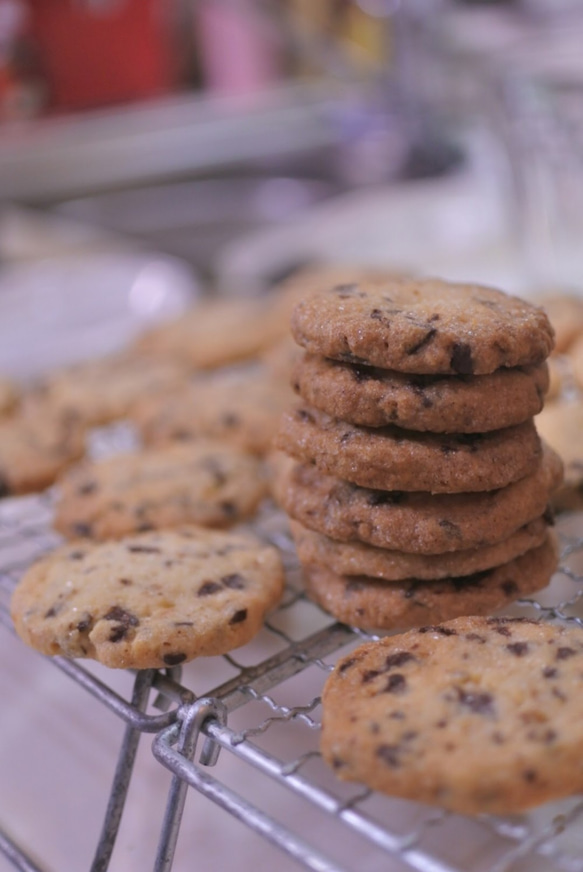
<point x="98" y="52"/>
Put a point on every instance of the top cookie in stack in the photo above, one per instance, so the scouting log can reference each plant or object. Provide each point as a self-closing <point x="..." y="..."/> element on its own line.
<point x="418" y="395"/>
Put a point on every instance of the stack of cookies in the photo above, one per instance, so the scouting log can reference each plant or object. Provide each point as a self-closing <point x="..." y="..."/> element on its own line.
<point x="415" y="479"/>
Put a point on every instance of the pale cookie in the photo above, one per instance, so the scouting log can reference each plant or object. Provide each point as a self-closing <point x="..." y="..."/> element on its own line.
<point x="104" y="390"/>
<point x="565" y="312"/>
<point x="375" y="397"/>
<point x="390" y="458"/>
<point x="373" y="604"/>
<point x="414" y="522"/>
<point x="561" y="425"/>
<point x="36" y="444"/>
<point x="218" y="332"/>
<point x="199" y="483"/>
<point x="423" y="326"/>
<point x="576" y="357"/>
<point x="479" y="715"/>
<point x="242" y="407"/>
<point x="358" y="558"/>
<point x="148" y="601"/>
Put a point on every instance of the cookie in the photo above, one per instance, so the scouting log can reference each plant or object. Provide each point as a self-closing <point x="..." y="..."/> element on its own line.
<point x="36" y="444"/>
<point x="373" y="604"/>
<point x="200" y="483"/>
<point x="358" y="558"/>
<point x="575" y="356"/>
<point x="565" y="312"/>
<point x="148" y="601"/>
<point x="561" y="425"/>
<point x="390" y="458"/>
<point x="104" y="390"/>
<point x="423" y="326"/>
<point x="478" y="715"/>
<point x="374" y="397"/>
<point x="414" y="522"/>
<point x="242" y="407"/>
<point x="217" y="332"/>
<point x="8" y="396"/>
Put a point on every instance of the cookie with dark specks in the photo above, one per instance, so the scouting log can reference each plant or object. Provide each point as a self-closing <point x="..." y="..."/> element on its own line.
<point x="478" y="715"/>
<point x="36" y="444"/>
<point x="423" y="326"/>
<point x="104" y="390"/>
<point x="201" y="482"/>
<point x="373" y="604"/>
<point x="390" y="458"/>
<point x="358" y="558"/>
<point x="241" y="407"/>
<point x="375" y="397"/>
<point x="148" y="601"/>
<point x="413" y="522"/>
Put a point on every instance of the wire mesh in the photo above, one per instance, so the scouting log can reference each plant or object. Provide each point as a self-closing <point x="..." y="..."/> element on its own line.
<point x="269" y="692"/>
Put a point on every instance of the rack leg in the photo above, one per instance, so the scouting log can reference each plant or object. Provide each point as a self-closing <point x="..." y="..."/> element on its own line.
<point x="123" y="773"/>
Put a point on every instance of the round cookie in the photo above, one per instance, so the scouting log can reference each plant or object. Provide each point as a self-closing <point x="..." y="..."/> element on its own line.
<point x="36" y="444"/>
<point x="389" y="458"/>
<point x="373" y="397"/>
<point x="413" y="522"/>
<point x="478" y="715"/>
<point x="561" y="425"/>
<point x="242" y="407"/>
<point x="565" y="312"/>
<point x="148" y="601"/>
<point x="8" y="396"/>
<point x="423" y="326"/>
<point x="358" y="558"/>
<point x="373" y="604"/>
<point x="198" y="483"/>
<point x="218" y="332"/>
<point x="104" y="390"/>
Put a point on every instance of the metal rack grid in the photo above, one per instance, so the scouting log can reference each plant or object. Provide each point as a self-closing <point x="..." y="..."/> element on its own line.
<point x="265" y="716"/>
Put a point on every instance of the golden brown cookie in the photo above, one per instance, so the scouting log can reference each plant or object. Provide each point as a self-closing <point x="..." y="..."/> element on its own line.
<point x="241" y="407"/>
<point x="423" y="326"/>
<point x="390" y="458"/>
<point x="36" y="444"/>
<point x="151" y="600"/>
<point x="200" y="482"/>
<point x="373" y="397"/>
<point x="479" y="715"/>
<point x="358" y="558"/>
<point x="565" y="312"/>
<point x="373" y="604"/>
<point x="104" y="390"/>
<point x="413" y="522"/>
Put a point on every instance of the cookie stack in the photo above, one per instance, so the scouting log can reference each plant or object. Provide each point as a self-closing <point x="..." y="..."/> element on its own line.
<point x="416" y="481"/>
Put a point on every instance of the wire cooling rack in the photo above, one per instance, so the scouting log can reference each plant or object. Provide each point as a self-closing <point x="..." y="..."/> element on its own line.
<point x="259" y="710"/>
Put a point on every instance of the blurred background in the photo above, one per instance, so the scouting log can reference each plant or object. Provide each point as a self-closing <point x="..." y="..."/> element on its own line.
<point x="154" y="150"/>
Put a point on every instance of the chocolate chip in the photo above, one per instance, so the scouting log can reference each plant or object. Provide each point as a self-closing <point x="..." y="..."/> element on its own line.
<point x="88" y="488"/>
<point x="396" y="683"/>
<point x="451" y="528"/>
<point x="53" y="610"/>
<point x="503" y="631"/>
<point x="529" y="775"/>
<point x="475" y="637"/>
<point x="80" y="528"/>
<point x="143" y="549"/>
<point x="377" y="315"/>
<point x="550" y="672"/>
<point x="234" y="581"/>
<point x="389" y="754"/>
<point x="519" y="649"/>
<point x="347" y="664"/>
<point x="85" y="624"/>
<point x="173" y="659"/>
<point x="209" y="588"/>
<point x="443" y="631"/>
<point x="461" y="358"/>
<point x="425" y="340"/>
<point x="347" y="436"/>
<point x="228" y="508"/>
<point x="479" y="703"/>
<point x="304" y="415"/>
<point x="76" y="555"/>
<point x="230" y="419"/>
<point x="126" y="582"/>
<point x="124" y="619"/>
<point x="399" y="658"/>
<point x="565" y="653"/>
<point x="239" y="617"/>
